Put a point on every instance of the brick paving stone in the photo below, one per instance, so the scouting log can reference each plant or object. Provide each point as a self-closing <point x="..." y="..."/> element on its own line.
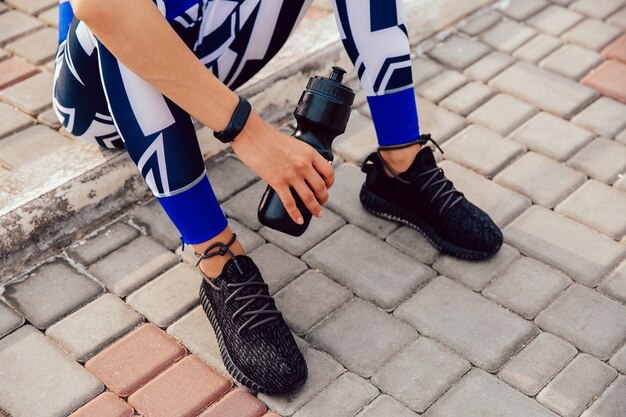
<point x="132" y="265"/>
<point x="482" y="150"/>
<point x="592" y="322"/>
<point x="467" y="98"/>
<point x="384" y="406"/>
<point x="609" y="79"/>
<point x="599" y="9"/>
<point x="342" y="398"/>
<point x="538" y="48"/>
<point x="507" y="35"/>
<point x="441" y="85"/>
<point x="50" y="292"/>
<point x="37" y="47"/>
<point x="615" y="284"/>
<point x="228" y="176"/>
<point x="106" y="404"/>
<point x="14" y="24"/>
<point x="537" y="363"/>
<point x="543" y="180"/>
<point x="606" y="117"/>
<point x="476" y="275"/>
<point x="39" y="379"/>
<point x="361" y="336"/>
<point x="14" y="70"/>
<point x="552" y="136"/>
<point x="572" y="61"/>
<point x="616" y="50"/>
<point x="602" y="159"/>
<point x="502" y="114"/>
<point x="152" y="217"/>
<point x="28" y="145"/>
<point x="236" y="403"/>
<point x="481" y="331"/>
<point x="9" y="319"/>
<point x="49" y="118"/>
<point x="50" y="16"/>
<point x="31" y="6"/>
<point x="308" y="299"/>
<point x="527" y="287"/>
<point x="479" y="394"/>
<point x="360" y="262"/>
<point x="88" y="251"/>
<point x="599" y="206"/>
<point x="413" y="243"/>
<point x="183" y="390"/>
<point x="322" y="371"/>
<point x="277" y="266"/>
<point x="169" y="296"/>
<point x="31" y="95"/>
<point x="618" y="360"/>
<point x="135" y="359"/>
<point x="544" y="89"/>
<point x="479" y="22"/>
<point x="612" y="403"/>
<point x="88" y="330"/>
<point x="358" y="146"/>
<point x="458" y="52"/>
<point x="243" y="206"/>
<point x="523" y="9"/>
<point x="419" y="374"/>
<point x="424" y="69"/>
<point x="592" y="34"/>
<point x="618" y="19"/>
<point x="499" y="202"/>
<point x="580" y="252"/>
<point x="576" y="386"/>
<point x="621" y="137"/>
<point x="490" y="66"/>
<point x="437" y="121"/>
<point x="554" y="20"/>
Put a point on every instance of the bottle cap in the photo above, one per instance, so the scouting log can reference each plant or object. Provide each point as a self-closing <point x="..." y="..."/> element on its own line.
<point x="332" y="87"/>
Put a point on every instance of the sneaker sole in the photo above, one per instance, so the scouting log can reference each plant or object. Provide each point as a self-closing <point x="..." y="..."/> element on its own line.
<point x="378" y="206"/>
<point x="232" y="369"/>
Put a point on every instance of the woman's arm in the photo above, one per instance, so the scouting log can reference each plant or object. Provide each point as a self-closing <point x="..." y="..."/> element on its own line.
<point x="138" y="36"/>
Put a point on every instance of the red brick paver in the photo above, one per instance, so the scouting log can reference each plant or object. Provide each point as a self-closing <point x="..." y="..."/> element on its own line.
<point x="182" y="391"/>
<point x="104" y="405"/>
<point x="616" y="50"/>
<point x="237" y="403"/>
<point x="14" y="70"/>
<point x="135" y="359"/>
<point x="609" y="79"/>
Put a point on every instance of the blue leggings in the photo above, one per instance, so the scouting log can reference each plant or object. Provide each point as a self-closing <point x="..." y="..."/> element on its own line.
<point x="98" y="99"/>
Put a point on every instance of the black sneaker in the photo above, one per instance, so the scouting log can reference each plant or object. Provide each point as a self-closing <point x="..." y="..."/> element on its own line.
<point x="256" y="345"/>
<point x="423" y="198"/>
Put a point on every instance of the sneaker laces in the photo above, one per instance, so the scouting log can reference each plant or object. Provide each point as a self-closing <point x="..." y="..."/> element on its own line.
<point x="256" y="318"/>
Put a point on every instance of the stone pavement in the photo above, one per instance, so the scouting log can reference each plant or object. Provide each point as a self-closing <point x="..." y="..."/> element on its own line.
<point x="526" y="99"/>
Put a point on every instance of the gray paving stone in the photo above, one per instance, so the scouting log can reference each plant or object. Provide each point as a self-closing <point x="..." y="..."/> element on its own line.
<point x="615" y="284"/>
<point x="31" y="6"/>
<point x="277" y="266"/>
<point x="50" y="16"/>
<point x="419" y="374"/>
<point x="537" y="48"/>
<point x="37" y="47"/>
<point x="480" y="21"/>
<point x="28" y="145"/>
<point x="572" y="61"/>
<point x="543" y="180"/>
<point x="537" y="363"/>
<point x="92" y="249"/>
<point x="507" y="35"/>
<point x="612" y="403"/>
<point x="49" y="118"/>
<point x="132" y="265"/>
<point x="599" y="9"/>
<point x="243" y="206"/>
<point x="361" y="262"/>
<point x="424" y="69"/>
<point x="228" y="176"/>
<point x="50" y="292"/>
<point x="544" y="89"/>
<point x="482" y="150"/>
<point x="502" y="114"/>
<point x="12" y="120"/>
<point x="592" y="34"/>
<point x="169" y="296"/>
<point x="342" y="398"/>
<point x="308" y="299"/>
<point x="361" y="336"/>
<point x="467" y="98"/>
<point x="31" y="95"/>
<point x="358" y="146"/>
<point x="437" y="121"/>
<point x="621" y="137"/>
<point x="499" y="202"/>
<point x="481" y="331"/>
<point x="39" y="379"/>
<point x="618" y="360"/>
<point x="554" y="20"/>
<point x="413" y="243"/>
<point x="523" y="9"/>
<point x="481" y="394"/>
<point x="527" y="287"/>
<point x="441" y="86"/>
<point x="606" y="117"/>
<point x="598" y="206"/>
<point x="618" y="19"/>
<point x="576" y="386"/>
<point x="490" y="66"/>
<point x="458" y="52"/>
<point x="476" y="275"/>
<point x="153" y="219"/>
<point x="603" y="159"/>
<point x="552" y="136"/>
<point x="322" y="371"/>
<point x="594" y="323"/>
<point x="14" y="24"/>
<point x="87" y="331"/>
<point x="585" y="255"/>
<point x="384" y="406"/>
<point x="9" y="319"/>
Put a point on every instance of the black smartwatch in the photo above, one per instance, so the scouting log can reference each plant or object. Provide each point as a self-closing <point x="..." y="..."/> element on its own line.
<point x="237" y="122"/>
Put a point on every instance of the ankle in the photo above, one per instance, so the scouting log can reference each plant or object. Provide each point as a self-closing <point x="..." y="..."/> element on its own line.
<point x="212" y="267"/>
<point x="400" y="159"/>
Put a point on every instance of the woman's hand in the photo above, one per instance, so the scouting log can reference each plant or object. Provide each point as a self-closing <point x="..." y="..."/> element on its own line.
<point x="285" y="162"/>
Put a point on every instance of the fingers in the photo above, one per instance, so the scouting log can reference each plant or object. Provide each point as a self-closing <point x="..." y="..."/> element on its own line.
<point x="317" y="184"/>
<point x="290" y="204"/>
<point x="308" y="198"/>
<point x="325" y="169"/>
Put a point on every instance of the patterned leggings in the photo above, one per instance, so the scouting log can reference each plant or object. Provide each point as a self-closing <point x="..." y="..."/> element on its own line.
<point x="100" y="100"/>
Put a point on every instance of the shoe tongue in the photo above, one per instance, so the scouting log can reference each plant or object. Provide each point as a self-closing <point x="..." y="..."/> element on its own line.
<point x="231" y="273"/>
<point x="424" y="160"/>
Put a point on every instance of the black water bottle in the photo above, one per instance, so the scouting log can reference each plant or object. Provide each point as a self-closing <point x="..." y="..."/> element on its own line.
<point x="322" y="114"/>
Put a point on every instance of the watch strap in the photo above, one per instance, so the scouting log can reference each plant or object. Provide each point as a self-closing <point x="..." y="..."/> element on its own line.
<point x="237" y="122"/>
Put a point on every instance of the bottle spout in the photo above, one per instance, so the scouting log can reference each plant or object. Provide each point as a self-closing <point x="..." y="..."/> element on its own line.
<point x="337" y="74"/>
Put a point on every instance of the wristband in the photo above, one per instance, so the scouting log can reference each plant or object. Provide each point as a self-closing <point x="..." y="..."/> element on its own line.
<point x="236" y="123"/>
